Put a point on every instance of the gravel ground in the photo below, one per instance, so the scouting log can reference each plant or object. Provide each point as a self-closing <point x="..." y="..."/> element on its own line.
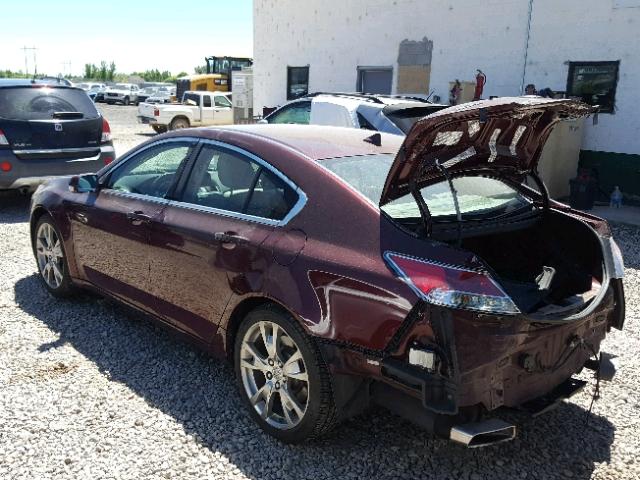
<point x="90" y="390"/>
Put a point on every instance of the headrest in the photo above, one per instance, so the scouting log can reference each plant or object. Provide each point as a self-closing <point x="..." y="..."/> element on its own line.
<point x="234" y="173"/>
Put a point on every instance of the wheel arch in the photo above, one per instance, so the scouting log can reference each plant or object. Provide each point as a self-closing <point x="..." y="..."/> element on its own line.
<point x="241" y="310"/>
<point x="180" y="117"/>
<point x="37" y="213"/>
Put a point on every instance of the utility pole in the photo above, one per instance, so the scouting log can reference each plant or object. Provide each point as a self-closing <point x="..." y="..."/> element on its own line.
<point x="66" y="68"/>
<point x="26" y="62"/>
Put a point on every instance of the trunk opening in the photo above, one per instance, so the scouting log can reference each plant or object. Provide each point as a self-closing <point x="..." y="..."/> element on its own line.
<point x="553" y="267"/>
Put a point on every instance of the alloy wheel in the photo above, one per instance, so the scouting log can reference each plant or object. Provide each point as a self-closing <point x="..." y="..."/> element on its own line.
<point x="50" y="256"/>
<point x="274" y="375"/>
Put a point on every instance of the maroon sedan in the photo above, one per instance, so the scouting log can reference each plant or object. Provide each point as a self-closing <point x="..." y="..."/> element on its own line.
<point x="337" y="268"/>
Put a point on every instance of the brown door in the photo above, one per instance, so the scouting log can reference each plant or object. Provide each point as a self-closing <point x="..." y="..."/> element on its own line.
<point x="111" y="228"/>
<point x="207" y="244"/>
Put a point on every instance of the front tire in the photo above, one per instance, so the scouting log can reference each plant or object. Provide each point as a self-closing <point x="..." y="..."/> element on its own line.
<point x="125" y="101"/>
<point x="51" y="258"/>
<point x="282" y="378"/>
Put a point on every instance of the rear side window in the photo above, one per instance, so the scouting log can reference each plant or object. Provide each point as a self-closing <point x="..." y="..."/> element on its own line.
<point x="40" y="103"/>
<point x="227" y="180"/>
<point x="299" y="113"/>
<point x="206" y="99"/>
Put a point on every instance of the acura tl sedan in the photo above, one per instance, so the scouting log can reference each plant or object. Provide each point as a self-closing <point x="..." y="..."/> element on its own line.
<point x="336" y="268"/>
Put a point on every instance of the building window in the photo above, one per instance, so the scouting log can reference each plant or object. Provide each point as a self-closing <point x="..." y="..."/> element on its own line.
<point x="297" y="82"/>
<point x="375" y="80"/>
<point x="594" y="83"/>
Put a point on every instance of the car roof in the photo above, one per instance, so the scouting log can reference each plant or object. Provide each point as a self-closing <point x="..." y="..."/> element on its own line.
<point x="317" y="142"/>
<point x="28" y="82"/>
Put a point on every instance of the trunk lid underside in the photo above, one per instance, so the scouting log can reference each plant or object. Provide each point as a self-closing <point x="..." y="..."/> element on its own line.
<point x="503" y="136"/>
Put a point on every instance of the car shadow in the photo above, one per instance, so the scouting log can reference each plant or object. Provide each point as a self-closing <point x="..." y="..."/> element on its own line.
<point x="14" y="207"/>
<point x="199" y="392"/>
<point x="148" y="135"/>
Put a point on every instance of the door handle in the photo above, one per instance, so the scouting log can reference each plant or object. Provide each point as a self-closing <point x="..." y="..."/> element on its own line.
<point x="229" y="240"/>
<point x="138" y="217"/>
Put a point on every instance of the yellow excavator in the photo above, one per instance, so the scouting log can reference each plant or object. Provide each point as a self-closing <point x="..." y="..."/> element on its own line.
<point x="217" y="78"/>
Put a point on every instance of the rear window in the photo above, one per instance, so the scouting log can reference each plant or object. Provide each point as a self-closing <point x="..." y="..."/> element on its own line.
<point x="477" y="196"/>
<point x="406" y="117"/>
<point x="41" y="103"/>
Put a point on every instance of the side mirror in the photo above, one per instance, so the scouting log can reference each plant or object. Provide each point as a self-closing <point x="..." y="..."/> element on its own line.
<point x="262" y="121"/>
<point x="83" y="184"/>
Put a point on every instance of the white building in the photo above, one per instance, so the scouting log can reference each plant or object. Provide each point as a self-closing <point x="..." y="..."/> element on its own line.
<point x="414" y="46"/>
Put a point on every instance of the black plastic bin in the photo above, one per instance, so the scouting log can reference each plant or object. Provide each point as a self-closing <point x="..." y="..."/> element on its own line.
<point x="583" y="192"/>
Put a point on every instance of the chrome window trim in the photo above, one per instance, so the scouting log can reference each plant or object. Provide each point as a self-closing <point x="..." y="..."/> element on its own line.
<point x="297" y="207"/>
<point x="137" y="196"/>
<point x="120" y="162"/>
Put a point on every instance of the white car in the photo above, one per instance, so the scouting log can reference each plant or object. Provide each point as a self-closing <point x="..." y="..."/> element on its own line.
<point x="124" y="93"/>
<point x="196" y="109"/>
<point x="384" y="113"/>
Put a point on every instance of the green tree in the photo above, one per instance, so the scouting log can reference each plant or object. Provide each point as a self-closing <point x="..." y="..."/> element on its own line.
<point x="200" y="69"/>
<point x="111" y="71"/>
<point x="103" y="72"/>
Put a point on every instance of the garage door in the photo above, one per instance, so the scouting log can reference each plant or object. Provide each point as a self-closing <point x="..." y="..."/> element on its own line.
<point x="375" y="80"/>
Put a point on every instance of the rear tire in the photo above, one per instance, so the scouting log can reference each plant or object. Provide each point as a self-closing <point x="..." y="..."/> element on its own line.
<point x="179" y="123"/>
<point x="283" y="380"/>
<point x="51" y="258"/>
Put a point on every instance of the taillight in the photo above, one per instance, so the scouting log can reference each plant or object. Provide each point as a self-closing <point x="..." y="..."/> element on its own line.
<point x="108" y="160"/>
<point x="156" y="112"/>
<point x="5" y="166"/>
<point x="452" y="286"/>
<point x="106" y="131"/>
<point x="3" y="139"/>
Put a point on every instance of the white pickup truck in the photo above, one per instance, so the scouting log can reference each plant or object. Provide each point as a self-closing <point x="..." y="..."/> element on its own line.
<point x="196" y="109"/>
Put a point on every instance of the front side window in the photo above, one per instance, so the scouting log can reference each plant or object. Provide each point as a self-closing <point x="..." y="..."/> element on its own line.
<point x="594" y="83"/>
<point x="227" y="180"/>
<point x="477" y="196"/>
<point x="299" y="113"/>
<point x="222" y="101"/>
<point x="151" y="172"/>
<point x="297" y="82"/>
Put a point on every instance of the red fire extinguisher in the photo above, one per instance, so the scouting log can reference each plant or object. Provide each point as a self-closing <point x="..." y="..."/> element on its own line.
<point x="481" y="80"/>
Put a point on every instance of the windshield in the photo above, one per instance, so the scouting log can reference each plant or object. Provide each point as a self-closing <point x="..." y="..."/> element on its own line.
<point x="121" y="86"/>
<point x="477" y="196"/>
<point x="28" y="103"/>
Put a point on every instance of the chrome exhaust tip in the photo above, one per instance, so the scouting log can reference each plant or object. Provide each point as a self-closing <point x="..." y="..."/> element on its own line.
<point x="481" y="434"/>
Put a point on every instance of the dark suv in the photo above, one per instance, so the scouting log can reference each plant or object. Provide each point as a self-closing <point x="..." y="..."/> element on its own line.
<point x="48" y="130"/>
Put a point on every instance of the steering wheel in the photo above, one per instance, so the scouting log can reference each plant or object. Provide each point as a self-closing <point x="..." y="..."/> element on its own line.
<point x="160" y="185"/>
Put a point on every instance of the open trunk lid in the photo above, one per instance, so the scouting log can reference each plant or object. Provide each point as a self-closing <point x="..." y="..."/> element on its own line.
<point x="504" y="136"/>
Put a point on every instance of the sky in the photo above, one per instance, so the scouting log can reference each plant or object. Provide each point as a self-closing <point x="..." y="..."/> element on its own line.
<point x="137" y="35"/>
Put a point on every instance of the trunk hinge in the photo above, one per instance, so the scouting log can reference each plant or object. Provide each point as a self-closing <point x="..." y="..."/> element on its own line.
<point x="422" y="206"/>
<point x="454" y="194"/>
<point x="543" y="189"/>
